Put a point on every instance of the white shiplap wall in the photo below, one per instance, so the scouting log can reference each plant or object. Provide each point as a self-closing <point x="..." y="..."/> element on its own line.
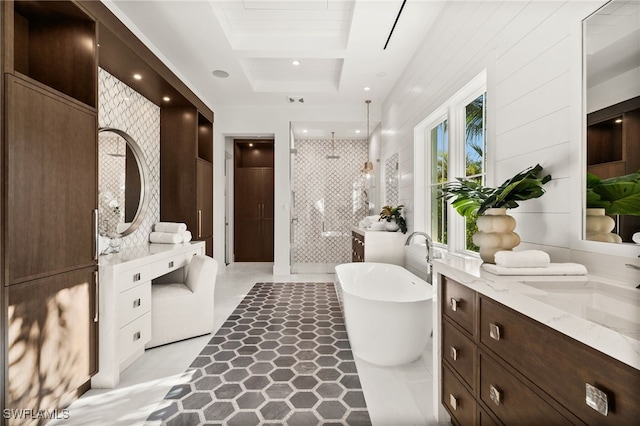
<point x="528" y="50"/>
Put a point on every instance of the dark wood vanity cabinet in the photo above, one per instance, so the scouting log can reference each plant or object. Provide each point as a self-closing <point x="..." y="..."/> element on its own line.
<point x="49" y="196"/>
<point x="513" y="370"/>
<point x="357" y="247"/>
<point x="186" y="162"/>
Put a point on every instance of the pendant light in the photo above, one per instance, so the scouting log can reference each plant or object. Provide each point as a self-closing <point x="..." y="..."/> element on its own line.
<point x="367" y="170"/>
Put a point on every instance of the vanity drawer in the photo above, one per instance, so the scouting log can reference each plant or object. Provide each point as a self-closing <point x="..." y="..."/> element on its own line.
<point x="133" y="303"/>
<point x="560" y="366"/>
<point x="133" y="336"/>
<point x="132" y="277"/>
<point x="459" y="304"/>
<point x="459" y="352"/>
<point x="511" y="400"/>
<point x="457" y="399"/>
<point x="164" y="266"/>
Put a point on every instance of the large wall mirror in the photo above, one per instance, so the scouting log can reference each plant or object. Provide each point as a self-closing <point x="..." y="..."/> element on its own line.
<point x="611" y="43"/>
<point x="123" y="183"/>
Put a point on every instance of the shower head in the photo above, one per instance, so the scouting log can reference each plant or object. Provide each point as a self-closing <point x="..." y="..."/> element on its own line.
<point x="333" y="155"/>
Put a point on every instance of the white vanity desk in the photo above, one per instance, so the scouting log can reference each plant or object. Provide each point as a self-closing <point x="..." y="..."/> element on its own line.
<point x="125" y="302"/>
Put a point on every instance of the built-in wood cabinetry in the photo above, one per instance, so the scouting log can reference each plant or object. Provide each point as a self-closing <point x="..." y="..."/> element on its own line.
<point x="49" y="196"/>
<point x="186" y="164"/>
<point x="501" y="367"/>
<point x="253" y="201"/>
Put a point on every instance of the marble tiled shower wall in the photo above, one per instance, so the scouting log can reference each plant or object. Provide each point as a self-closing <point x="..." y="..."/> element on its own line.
<point x="329" y="199"/>
<point x="121" y="107"/>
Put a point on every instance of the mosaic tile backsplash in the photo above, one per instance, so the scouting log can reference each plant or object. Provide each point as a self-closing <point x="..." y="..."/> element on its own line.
<point x="329" y="198"/>
<point x="391" y="180"/>
<point x="121" y="107"/>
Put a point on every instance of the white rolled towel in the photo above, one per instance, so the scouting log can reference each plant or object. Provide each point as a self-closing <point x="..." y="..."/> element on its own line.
<point x="170" y="227"/>
<point x="186" y="236"/>
<point x="522" y="259"/>
<point x="165" y="238"/>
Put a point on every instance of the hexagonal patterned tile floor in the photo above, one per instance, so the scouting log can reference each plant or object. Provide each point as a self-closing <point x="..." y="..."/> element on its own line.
<point x="282" y="357"/>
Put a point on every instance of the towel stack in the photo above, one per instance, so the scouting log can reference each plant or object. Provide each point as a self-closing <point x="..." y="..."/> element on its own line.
<point x="530" y="262"/>
<point x="170" y="233"/>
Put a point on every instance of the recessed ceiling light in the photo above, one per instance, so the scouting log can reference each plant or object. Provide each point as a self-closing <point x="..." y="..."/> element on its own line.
<point x="305" y="131"/>
<point x="357" y="130"/>
<point x="137" y="76"/>
<point x="619" y="120"/>
<point x="220" y="73"/>
<point x="295" y="62"/>
<point x="367" y="88"/>
<point x="166" y="99"/>
<point x="250" y="144"/>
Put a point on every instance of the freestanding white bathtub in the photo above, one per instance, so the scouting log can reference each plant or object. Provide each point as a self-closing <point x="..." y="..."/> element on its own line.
<point x="387" y="311"/>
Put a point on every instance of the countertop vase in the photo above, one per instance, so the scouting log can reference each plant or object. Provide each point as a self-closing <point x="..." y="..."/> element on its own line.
<point x="598" y="226"/>
<point x="495" y="233"/>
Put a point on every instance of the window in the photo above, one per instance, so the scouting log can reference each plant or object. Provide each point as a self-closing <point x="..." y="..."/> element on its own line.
<point x="439" y="153"/>
<point x="475" y="163"/>
<point x="452" y="143"/>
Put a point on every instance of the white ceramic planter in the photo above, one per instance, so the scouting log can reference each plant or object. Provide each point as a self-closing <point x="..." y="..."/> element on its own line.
<point x="495" y="233"/>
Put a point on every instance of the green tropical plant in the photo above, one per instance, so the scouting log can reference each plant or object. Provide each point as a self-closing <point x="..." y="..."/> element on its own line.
<point x="617" y="196"/>
<point x="391" y="212"/>
<point x="471" y="197"/>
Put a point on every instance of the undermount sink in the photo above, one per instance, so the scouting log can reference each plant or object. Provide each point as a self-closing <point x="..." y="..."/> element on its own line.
<point x="609" y="305"/>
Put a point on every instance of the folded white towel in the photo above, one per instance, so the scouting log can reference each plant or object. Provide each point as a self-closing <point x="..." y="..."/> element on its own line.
<point x="165" y="238"/>
<point x="552" y="269"/>
<point x="186" y="236"/>
<point x="522" y="259"/>
<point x="170" y="227"/>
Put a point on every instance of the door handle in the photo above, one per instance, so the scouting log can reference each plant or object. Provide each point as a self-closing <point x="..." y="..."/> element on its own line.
<point x="199" y="223"/>
<point x="96" y="235"/>
<point x="97" y="297"/>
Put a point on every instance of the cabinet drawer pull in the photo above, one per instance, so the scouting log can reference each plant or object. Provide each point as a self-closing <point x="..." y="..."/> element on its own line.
<point x="136" y="303"/>
<point x="494" y="331"/>
<point x="454" y="353"/>
<point x="454" y="304"/>
<point x="453" y="401"/>
<point x="597" y="399"/>
<point x="495" y="394"/>
<point x="136" y="277"/>
<point x="171" y="264"/>
<point x="136" y="336"/>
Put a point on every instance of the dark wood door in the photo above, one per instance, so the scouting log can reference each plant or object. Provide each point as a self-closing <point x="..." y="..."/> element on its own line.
<point x="51" y="183"/>
<point x="253" y="205"/>
<point x="52" y="340"/>
<point x="204" y="204"/>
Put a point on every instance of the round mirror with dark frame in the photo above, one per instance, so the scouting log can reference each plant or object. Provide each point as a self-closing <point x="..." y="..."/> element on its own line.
<point x="123" y="183"/>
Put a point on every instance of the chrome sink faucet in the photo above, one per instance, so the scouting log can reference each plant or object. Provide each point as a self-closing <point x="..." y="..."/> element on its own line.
<point x="429" y="249"/>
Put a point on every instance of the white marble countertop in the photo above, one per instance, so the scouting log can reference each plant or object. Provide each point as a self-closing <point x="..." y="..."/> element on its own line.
<point x="142" y="252"/>
<point x="621" y="343"/>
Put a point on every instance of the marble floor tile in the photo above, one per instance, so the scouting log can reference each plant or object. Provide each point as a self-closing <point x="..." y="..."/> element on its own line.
<point x="394" y="396"/>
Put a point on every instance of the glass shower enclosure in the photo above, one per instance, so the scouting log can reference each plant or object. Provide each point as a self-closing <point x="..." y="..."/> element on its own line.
<point x="329" y="197"/>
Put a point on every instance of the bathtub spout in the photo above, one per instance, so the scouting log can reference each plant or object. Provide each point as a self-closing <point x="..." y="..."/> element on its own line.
<point x="429" y="244"/>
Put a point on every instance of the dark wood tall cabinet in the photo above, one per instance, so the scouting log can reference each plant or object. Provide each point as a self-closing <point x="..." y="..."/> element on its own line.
<point x="186" y="162"/>
<point x="49" y="200"/>
<point x="253" y="201"/>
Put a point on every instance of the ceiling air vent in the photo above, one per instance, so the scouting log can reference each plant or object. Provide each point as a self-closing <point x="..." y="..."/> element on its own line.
<point x="295" y="99"/>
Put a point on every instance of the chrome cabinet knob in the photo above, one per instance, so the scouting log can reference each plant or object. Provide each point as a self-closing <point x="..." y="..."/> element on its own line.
<point x="494" y="331"/>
